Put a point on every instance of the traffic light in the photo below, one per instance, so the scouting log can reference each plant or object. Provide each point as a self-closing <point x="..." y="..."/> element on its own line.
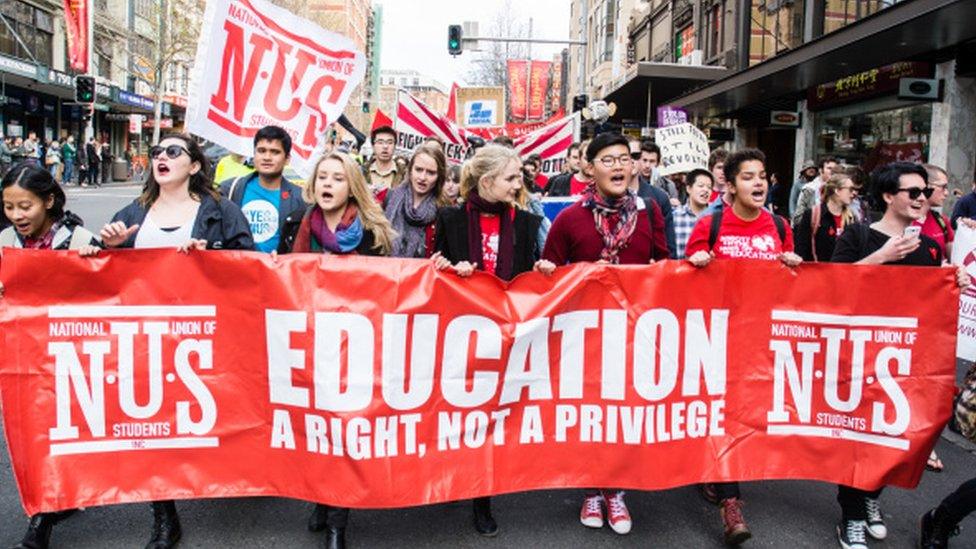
<point x="85" y="89"/>
<point x="454" y="39"/>
<point x="366" y="106"/>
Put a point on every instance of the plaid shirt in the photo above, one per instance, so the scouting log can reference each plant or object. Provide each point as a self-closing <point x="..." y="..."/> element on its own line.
<point x="684" y="222"/>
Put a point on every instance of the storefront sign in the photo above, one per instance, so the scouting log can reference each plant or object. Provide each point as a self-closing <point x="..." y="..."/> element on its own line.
<point x="103" y="90"/>
<point x="118" y="117"/>
<point x="164" y="123"/>
<point x="864" y="85"/>
<point x="60" y="79"/>
<point x="135" y="122"/>
<point x="136" y="100"/>
<point x="784" y="118"/>
<point x="175" y="99"/>
<point x="20" y="68"/>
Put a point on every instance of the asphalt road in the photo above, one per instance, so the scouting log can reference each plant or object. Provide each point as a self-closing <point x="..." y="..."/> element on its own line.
<point x="782" y="514"/>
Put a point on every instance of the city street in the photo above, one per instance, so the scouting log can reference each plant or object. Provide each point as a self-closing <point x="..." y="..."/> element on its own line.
<point x="782" y="514"/>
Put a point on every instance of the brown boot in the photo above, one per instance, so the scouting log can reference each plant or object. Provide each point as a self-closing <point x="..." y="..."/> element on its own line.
<point x="736" y="530"/>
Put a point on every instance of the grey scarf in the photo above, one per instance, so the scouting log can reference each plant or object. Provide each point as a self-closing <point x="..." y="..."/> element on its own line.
<point x="410" y="223"/>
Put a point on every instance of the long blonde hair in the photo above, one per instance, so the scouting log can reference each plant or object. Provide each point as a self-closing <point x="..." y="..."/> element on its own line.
<point x="488" y="161"/>
<point x="370" y="213"/>
<point x="831" y="187"/>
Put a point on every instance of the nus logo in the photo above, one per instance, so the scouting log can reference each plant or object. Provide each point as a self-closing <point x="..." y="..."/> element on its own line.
<point x="128" y="378"/>
<point x="837" y="376"/>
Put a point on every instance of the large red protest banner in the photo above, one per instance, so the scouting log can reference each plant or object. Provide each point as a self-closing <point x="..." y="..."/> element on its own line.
<point x="372" y="382"/>
<point x="76" y="26"/>
<point x="258" y="64"/>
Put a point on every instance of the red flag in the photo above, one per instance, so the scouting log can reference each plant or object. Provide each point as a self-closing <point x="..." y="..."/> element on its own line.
<point x="76" y="23"/>
<point x="452" y="103"/>
<point x="381" y="119"/>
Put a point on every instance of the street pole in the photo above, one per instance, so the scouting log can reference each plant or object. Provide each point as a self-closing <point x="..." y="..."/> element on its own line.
<point x="90" y="14"/>
<point x="528" y="73"/>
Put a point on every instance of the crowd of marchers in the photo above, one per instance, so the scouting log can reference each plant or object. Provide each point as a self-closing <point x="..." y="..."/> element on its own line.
<point x="487" y="215"/>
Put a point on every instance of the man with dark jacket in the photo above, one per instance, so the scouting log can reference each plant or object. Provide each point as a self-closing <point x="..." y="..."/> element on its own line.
<point x="91" y="151"/>
<point x="267" y="198"/>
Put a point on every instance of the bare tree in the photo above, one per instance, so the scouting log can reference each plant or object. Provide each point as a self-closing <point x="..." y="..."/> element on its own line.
<point x="490" y="67"/>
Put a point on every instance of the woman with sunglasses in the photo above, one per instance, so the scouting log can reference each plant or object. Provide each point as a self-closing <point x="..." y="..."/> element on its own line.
<point x="819" y="227"/>
<point x="178" y="208"/>
<point x="901" y="187"/>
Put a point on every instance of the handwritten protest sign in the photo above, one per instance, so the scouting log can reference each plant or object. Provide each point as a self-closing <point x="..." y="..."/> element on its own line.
<point x="683" y="148"/>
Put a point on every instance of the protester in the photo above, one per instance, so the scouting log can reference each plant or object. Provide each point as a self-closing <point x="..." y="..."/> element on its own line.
<point x="91" y="153"/>
<point x="230" y="166"/>
<point x="570" y="167"/>
<point x="650" y="161"/>
<point x="383" y="170"/>
<point x="810" y="193"/>
<point x="902" y="188"/>
<point x="935" y="225"/>
<point x="609" y="224"/>
<point x="530" y="175"/>
<point x="540" y="181"/>
<point x="572" y="185"/>
<point x="808" y="172"/>
<point x="412" y="206"/>
<point x="701" y="183"/>
<point x="68" y="154"/>
<point x="267" y="197"/>
<point x="643" y="173"/>
<point x="82" y="165"/>
<point x="52" y="159"/>
<point x="6" y="155"/>
<point x="105" y="155"/>
<point x="451" y="193"/>
<point x="31" y="148"/>
<point x="819" y="228"/>
<point x="965" y="208"/>
<point x="938" y="524"/>
<point x="716" y="165"/>
<point x="178" y="208"/>
<point x="35" y="204"/>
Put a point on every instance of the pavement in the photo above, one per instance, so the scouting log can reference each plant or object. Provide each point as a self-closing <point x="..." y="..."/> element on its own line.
<point x="781" y="514"/>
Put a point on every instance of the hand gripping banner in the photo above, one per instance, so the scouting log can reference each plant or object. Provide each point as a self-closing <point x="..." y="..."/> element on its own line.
<point x="373" y="382"/>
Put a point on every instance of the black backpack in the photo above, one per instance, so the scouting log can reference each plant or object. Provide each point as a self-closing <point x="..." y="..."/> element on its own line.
<point x="717" y="224"/>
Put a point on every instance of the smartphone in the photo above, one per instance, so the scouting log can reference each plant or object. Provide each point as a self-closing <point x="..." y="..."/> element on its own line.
<point x="912" y="231"/>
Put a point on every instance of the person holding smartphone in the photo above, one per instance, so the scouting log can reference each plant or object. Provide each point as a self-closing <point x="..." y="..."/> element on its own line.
<point x="902" y="189"/>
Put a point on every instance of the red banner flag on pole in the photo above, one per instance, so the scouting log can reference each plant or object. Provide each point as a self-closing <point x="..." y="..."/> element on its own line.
<point x="517" y="83"/>
<point x="380" y="119"/>
<point x="452" y="104"/>
<point x="539" y="88"/>
<point x="76" y="16"/>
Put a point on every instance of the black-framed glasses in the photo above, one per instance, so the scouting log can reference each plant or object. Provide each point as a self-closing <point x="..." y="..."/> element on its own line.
<point x="915" y="192"/>
<point x="172" y="151"/>
<point x="609" y="161"/>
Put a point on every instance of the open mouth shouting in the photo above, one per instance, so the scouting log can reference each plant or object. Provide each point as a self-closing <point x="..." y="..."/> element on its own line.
<point x="758" y="196"/>
<point x="162" y="169"/>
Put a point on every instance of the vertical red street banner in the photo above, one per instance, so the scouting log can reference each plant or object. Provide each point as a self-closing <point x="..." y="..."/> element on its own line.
<point x="538" y="89"/>
<point x="257" y="65"/>
<point x="517" y="106"/>
<point x="379" y="382"/>
<point x="557" y="83"/>
<point x="76" y="24"/>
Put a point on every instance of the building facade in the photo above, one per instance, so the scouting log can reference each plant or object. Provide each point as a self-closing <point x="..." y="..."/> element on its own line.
<point x="433" y="93"/>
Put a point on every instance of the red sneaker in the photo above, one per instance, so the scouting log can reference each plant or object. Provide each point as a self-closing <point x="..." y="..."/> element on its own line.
<point x="591" y="515"/>
<point x="617" y="514"/>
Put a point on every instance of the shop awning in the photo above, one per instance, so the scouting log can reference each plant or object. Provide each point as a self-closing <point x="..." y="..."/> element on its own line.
<point x="907" y="30"/>
<point x="647" y="86"/>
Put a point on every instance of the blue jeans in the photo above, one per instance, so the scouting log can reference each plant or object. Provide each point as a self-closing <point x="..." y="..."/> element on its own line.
<point x="69" y="170"/>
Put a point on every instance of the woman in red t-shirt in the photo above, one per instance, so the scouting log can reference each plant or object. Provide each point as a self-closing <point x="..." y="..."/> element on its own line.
<point x="488" y="233"/>
<point x="819" y="228"/>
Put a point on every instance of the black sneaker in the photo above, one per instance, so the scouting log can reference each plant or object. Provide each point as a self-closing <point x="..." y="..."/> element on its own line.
<point x="851" y="534"/>
<point x="875" y="523"/>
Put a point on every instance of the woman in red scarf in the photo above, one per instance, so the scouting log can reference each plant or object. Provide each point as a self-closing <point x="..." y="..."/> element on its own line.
<point x="488" y="233"/>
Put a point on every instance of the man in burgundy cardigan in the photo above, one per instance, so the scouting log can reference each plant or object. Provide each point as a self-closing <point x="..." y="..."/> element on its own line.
<point x="609" y="224"/>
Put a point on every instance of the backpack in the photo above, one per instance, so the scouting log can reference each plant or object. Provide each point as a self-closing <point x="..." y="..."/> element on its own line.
<point x="717" y="225"/>
<point x="940" y="221"/>
<point x="965" y="408"/>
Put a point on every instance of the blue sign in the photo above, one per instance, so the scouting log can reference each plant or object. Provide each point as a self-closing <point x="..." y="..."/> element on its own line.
<point x="136" y="100"/>
<point x="551" y="206"/>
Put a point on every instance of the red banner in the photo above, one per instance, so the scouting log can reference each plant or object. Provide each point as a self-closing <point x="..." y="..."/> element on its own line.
<point x="538" y="88"/>
<point x="517" y="94"/>
<point x="373" y="382"/>
<point x="76" y="24"/>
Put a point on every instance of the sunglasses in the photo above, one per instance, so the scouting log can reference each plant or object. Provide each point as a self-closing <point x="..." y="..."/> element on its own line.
<point x="172" y="151"/>
<point x="915" y="192"/>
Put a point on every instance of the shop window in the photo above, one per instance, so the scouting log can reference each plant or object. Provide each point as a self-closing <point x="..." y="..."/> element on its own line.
<point x="871" y="139"/>
<point x="714" y="29"/>
<point x="840" y="13"/>
<point x="777" y="26"/>
<point x="33" y="27"/>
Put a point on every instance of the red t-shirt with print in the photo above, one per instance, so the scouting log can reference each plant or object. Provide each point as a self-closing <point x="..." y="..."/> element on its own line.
<point x="930" y="228"/>
<point x="740" y="239"/>
<point x="491" y="227"/>
<point x="576" y="187"/>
